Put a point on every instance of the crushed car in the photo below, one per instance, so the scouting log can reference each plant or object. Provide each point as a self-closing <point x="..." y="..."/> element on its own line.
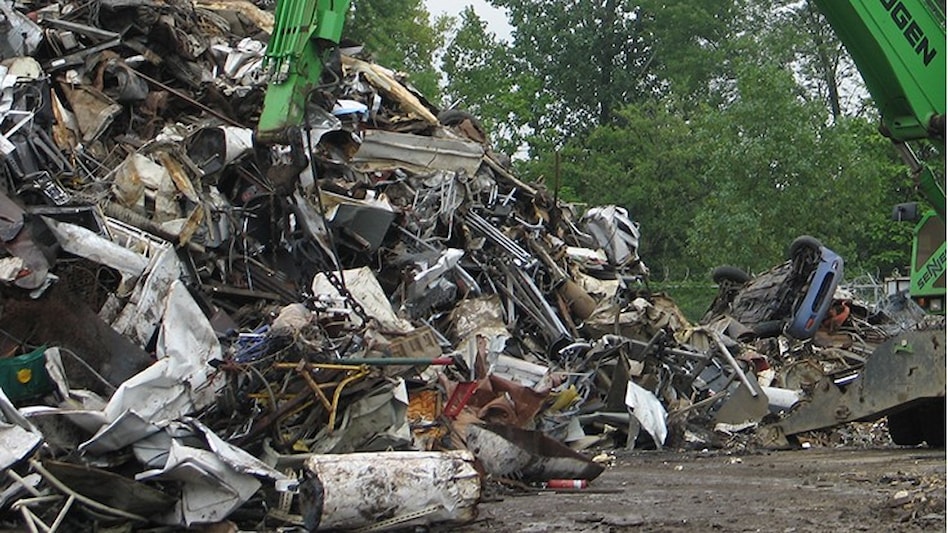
<point x="793" y="297"/>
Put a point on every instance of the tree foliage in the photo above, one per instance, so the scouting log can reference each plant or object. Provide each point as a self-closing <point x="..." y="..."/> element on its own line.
<point x="801" y="35"/>
<point x="776" y="169"/>
<point x="590" y="57"/>
<point x="691" y="45"/>
<point x="401" y="35"/>
<point x="644" y="161"/>
<point x="485" y="79"/>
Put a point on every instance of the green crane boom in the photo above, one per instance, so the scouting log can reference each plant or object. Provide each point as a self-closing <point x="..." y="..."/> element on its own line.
<point x="899" y="48"/>
<point x="303" y="33"/>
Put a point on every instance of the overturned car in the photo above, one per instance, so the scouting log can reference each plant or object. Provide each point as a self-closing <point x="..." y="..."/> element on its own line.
<point x="793" y="297"/>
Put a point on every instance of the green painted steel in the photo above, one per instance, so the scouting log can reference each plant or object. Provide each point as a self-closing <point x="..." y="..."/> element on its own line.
<point x="928" y="258"/>
<point x="899" y="48"/>
<point x="303" y="33"/>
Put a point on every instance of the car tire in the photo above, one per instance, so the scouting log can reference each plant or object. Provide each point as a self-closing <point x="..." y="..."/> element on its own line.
<point x="802" y="244"/>
<point x="729" y="273"/>
<point x="451" y="117"/>
<point x="768" y="329"/>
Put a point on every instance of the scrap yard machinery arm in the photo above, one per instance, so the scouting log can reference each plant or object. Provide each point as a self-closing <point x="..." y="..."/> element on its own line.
<point x="899" y="48"/>
<point x="304" y="31"/>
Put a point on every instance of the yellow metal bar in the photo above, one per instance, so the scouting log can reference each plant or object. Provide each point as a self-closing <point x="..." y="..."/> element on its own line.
<point x="335" y="397"/>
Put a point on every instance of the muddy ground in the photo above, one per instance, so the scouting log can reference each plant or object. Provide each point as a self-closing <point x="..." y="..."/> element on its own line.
<point x="817" y="489"/>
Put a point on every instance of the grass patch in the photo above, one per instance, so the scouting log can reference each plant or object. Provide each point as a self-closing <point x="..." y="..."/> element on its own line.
<point x="692" y="297"/>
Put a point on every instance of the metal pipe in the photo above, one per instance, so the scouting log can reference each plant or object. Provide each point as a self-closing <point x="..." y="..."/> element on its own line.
<point x="733" y="362"/>
<point x="397" y="361"/>
<point x="499" y="238"/>
<point x="28" y="518"/>
<point x="364" y="371"/>
<point x="62" y="514"/>
<point x="188" y="99"/>
<point x="315" y="387"/>
<point x="659" y="335"/>
<point x="23" y="483"/>
<point x="697" y="405"/>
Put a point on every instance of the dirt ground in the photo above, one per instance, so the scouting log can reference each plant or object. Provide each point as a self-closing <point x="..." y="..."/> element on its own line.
<point x="817" y="489"/>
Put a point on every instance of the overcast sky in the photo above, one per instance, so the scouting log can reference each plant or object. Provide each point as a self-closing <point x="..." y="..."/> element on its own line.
<point x="496" y="18"/>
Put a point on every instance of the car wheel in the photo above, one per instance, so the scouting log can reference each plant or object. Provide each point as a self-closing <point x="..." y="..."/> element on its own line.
<point x="768" y="329"/>
<point x="729" y="273"/>
<point x="804" y="244"/>
<point x="450" y="117"/>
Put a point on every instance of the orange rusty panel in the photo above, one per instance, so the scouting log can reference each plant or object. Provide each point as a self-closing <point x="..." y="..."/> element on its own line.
<point x="424" y="406"/>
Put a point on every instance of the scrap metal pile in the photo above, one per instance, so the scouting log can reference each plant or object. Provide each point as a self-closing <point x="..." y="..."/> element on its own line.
<point x="197" y="328"/>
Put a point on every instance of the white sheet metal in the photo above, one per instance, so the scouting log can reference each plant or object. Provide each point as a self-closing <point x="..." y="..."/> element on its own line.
<point x="128" y="428"/>
<point x="216" y="479"/>
<point x="615" y="232"/>
<point x="145" y="307"/>
<point x="648" y="411"/>
<point x="365" y="488"/>
<point x="517" y="370"/>
<point x="418" y="153"/>
<point x="179" y="382"/>
<point x="235" y="457"/>
<point x="56" y="371"/>
<point x="18" y="437"/>
<point x="366" y="290"/>
<point x="86" y="243"/>
<point x="782" y="399"/>
<point x="211" y="489"/>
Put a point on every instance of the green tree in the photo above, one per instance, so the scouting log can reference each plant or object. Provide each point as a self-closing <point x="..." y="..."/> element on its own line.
<point x="799" y="33"/>
<point x="776" y="169"/>
<point x="400" y="35"/>
<point x="644" y="161"/>
<point x="483" y="78"/>
<point x="589" y="57"/>
<point x="691" y="43"/>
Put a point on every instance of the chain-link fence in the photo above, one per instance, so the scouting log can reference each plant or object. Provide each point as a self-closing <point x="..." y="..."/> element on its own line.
<point x="694" y="293"/>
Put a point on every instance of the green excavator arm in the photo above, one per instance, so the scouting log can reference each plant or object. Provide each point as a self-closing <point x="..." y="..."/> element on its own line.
<point x="304" y="31"/>
<point x="899" y="48"/>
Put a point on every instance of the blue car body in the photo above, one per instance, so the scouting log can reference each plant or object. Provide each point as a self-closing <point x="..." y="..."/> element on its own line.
<point x="810" y="310"/>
